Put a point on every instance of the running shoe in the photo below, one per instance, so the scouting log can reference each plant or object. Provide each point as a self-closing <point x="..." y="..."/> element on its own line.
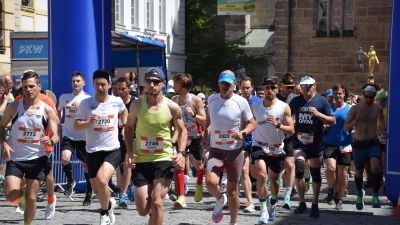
<point x="111" y="211"/>
<point x="339" y="205"/>
<point x="307" y="184"/>
<point x="331" y="194"/>
<point x="104" y="220"/>
<point x="18" y="210"/>
<point x="173" y="195"/>
<point x="280" y="180"/>
<point x="115" y="192"/>
<point x="345" y="193"/>
<point x="269" y="205"/>
<point x="263" y="219"/>
<point x="50" y="209"/>
<point x="219" y="205"/>
<point x="375" y="201"/>
<point x="360" y="200"/>
<point x="199" y="193"/>
<point x="122" y="201"/>
<point x="186" y="184"/>
<point x="21" y="203"/>
<point x="180" y="202"/>
<point x="194" y="172"/>
<point x="130" y="193"/>
<point x="286" y="203"/>
<point x="69" y="188"/>
<point x="249" y="207"/>
<point x="302" y="208"/>
<point x="351" y="175"/>
<point x="314" y="212"/>
<point x="88" y="199"/>
<point x="294" y="191"/>
<point x="272" y="213"/>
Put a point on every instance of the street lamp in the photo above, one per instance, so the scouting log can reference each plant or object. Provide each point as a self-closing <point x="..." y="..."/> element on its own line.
<point x="359" y="57"/>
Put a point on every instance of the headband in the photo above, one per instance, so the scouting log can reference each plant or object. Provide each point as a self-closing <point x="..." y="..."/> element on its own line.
<point x="370" y="88"/>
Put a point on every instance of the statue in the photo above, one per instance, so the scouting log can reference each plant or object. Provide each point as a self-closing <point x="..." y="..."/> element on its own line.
<point x="372" y="58"/>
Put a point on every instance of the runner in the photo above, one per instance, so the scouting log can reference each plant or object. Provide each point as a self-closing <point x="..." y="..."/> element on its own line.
<point x="311" y="111"/>
<point x="337" y="150"/>
<point x="194" y="117"/>
<point x="152" y="155"/>
<point x="24" y="151"/>
<point x="98" y="116"/>
<point x="274" y="121"/>
<point x="74" y="141"/>
<point x="229" y="119"/>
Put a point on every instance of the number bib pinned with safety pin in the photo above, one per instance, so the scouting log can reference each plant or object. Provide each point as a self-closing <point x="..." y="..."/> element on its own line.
<point x="106" y="123"/>
<point x="305" y="138"/>
<point x="70" y="111"/>
<point x="270" y="150"/>
<point x="151" y="145"/>
<point x="29" y="135"/>
<point x="345" y="149"/>
<point x="224" y="137"/>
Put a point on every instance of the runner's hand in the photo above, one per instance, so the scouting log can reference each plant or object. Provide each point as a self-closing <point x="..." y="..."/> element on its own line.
<point x="237" y="136"/>
<point x="94" y="118"/>
<point x="271" y="119"/>
<point x="313" y="111"/>
<point x="6" y="152"/>
<point x="45" y="140"/>
<point x="131" y="164"/>
<point x="179" y="161"/>
<point x="190" y="110"/>
<point x="75" y="104"/>
<point x="204" y="142"/>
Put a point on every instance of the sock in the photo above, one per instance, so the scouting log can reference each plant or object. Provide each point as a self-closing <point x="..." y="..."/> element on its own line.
<point x="103" y="212"/>
<point x="88" y="184"/>
<point x="263" y="203"/>
<point x="288" y="191"/>
<point x="376" y="182"/>
<point x="358" y="181"/>
<point x="273" y="199"/>
<point x="50" y="199"/>
<point x="26" y="223"/>
<point x="200" y="174"/>
<point x="68" y="172"/>
<point x="314" y="206"/>
<point x="180" y="182"/>
<point x="331" y="189"/>
<point x="109" y="205"/>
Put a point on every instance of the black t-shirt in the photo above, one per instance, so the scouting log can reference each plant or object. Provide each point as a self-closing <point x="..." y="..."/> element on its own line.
<point x="128" y="106"/>
<point x="305" y="123"/>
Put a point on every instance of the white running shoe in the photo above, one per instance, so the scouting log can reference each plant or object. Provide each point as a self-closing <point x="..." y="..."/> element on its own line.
<point x="111" y="211"/>
<point x="51" y="209"/>
<point x="18" y="210"/>
<point x="104" y="220"/>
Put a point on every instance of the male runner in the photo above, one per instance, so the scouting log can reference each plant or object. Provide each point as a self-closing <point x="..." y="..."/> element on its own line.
<point x="246" y="86"/>
<point x="74" y="140"/>
<point x="194" y="117"/>
<point x="274" y="121"/>
<point x="337" y="150"/>
<point x="311" y="111"/>
<point x="98" y="116"/>
<point x="152" y="156"/>
<point x="286" y="95"/>
<point x="363" y="117"/>
<point x="24" y="150"/>
<point x="228" y="122"/>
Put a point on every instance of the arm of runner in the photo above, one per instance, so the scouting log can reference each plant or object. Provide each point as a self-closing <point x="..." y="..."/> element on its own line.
<point x="327" y="118"/>
<point x="204" y="141"/>
<point x="129" y="131"/>
<point x="199" y="114"/>
<point x="81" y="122"/>
<point x="351" y="119"/>
<point x="288" y="126"/>
<point x="249" y="122"/>
<point x="178" y="159"/>
<point x="52" y="121"/>
<point x="8" y="115"/>
<point x="3" y="105"/>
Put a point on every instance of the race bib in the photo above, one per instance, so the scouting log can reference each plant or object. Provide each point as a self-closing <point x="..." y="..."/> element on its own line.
<point x="106" y="123"/>
<point x="305" y="138"/>
<point x="29" y="135"/>
<point x="224" y="137"/>
<point x="382" y="140"/>
<point x="345" y="149"/>
<point x="70" y="112"/>
<point x="120" y="124"/>
<point x="151" y="145"/>
<point x="269" y="149"/>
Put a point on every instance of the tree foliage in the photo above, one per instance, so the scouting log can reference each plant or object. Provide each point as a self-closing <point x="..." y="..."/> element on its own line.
<point x="208" y="51"/>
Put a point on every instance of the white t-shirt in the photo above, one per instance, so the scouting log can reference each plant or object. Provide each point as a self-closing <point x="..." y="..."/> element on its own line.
<point x="102" y="135"/>
<point x="65" y="102"/>
<point x="226" y="117"/>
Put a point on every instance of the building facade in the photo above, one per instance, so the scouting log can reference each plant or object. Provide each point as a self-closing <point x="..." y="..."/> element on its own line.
<point x="159" y="20"/>
<point x="6" y="25"/>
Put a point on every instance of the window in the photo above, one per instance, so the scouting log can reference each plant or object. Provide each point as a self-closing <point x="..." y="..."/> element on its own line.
<point x="149" y="14"/>
<point x="161" y="15"/>
<point x="336" y="17"/>
<point x="27" y="3"/>
<point x="134" y="13"/>
<point x="119" y="17"/>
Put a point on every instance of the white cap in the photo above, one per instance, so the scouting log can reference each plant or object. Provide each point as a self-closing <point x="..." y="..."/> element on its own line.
<point x="170" y="86"/>
<point x="201" y="95"/>
<point x="307" y="80"/>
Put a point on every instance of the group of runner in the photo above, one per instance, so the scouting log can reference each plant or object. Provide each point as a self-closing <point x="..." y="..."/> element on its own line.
<point x="148" y="140"/>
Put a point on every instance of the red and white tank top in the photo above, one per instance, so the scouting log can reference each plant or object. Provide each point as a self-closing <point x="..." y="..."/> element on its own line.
<point x="192" y="126"/>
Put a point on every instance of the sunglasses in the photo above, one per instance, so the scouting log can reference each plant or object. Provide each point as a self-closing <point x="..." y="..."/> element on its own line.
<point x="369" y="96"/>
<point x="380" y="100"/>
<point x="155" y="82"/>
<point x="306" y="85"/>
<point x="288" y="87"/>
<point x="273" y="88"/>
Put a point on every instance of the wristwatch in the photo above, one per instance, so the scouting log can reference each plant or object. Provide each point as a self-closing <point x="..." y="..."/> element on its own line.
<point x="52" y="142"/>
<point x="194" y="115"/>
<point x="184" y="153"/>
<point x="278" y="125"/>
<point x="244" y="134"/>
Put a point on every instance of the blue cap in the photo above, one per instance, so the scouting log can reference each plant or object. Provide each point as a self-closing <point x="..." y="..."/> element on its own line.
<point x="329" y="93"/>
<point x="226" y="77"/>
<point x="156" y="73"/>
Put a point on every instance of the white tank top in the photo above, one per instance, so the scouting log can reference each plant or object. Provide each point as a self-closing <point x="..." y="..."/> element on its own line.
<point x="25" y="134"/>
<point x="192" y="126"/>
<point x="266" y="136"/>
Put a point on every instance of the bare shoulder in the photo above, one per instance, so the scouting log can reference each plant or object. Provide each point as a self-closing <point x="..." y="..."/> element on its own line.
<point x="173" y="107"/>
<point x="196" y="100"/>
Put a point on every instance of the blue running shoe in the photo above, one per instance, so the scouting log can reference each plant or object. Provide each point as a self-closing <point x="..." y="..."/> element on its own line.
<point x="122" y="201"/>
<point x="360" y="200"/>
<point x="301" y="209"/>
<point x="375" y="201"/>
<point x="263" y="219"/>
<point x="130" y="194"/>
<point x="272" y="214"/>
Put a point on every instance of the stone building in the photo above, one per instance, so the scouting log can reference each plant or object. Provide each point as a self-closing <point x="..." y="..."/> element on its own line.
<point x="6" y="25"/>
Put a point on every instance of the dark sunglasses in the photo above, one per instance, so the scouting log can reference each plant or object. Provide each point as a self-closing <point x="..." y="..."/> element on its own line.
<point x="380" y="100"/>
<point x="155" y="82"/>
<point x="369" y="96"/>
<point x="306" y="85"/>
<point x="271" y="87"/>
<point x="289" y="87"/>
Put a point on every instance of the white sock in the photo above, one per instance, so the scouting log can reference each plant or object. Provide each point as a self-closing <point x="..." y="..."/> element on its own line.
<point x="288" y="191"/>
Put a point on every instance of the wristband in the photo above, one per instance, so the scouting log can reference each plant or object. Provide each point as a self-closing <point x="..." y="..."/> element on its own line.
<point x="184" y="153"/>
<point x="194" y="114"/>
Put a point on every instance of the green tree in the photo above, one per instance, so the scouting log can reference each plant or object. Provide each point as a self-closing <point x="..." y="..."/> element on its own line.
<point x="208" y="51"/>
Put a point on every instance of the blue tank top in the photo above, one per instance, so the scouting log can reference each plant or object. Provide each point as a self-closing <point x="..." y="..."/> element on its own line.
<point x="335" y="134"/>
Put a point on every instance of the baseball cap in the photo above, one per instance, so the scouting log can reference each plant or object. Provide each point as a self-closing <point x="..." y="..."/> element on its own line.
<point x="288" y="81"/>
<point x="380" y="94"/>
<point x="329" y="92"/>
<point x="271" y="81"/>
<point x="170" y="86"/>
<point x="307" y="80"/>
<point x="201" y="95"/>
<point x="226" y="77"/>
<point x="156" y="73"/>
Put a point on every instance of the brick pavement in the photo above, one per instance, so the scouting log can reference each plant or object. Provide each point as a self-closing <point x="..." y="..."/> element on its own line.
<point x="72" y="212"/>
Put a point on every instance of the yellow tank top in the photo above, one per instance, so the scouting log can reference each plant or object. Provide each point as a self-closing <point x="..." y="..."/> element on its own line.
<point x="153" y="134"/>
<point x="384" y="115"/>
